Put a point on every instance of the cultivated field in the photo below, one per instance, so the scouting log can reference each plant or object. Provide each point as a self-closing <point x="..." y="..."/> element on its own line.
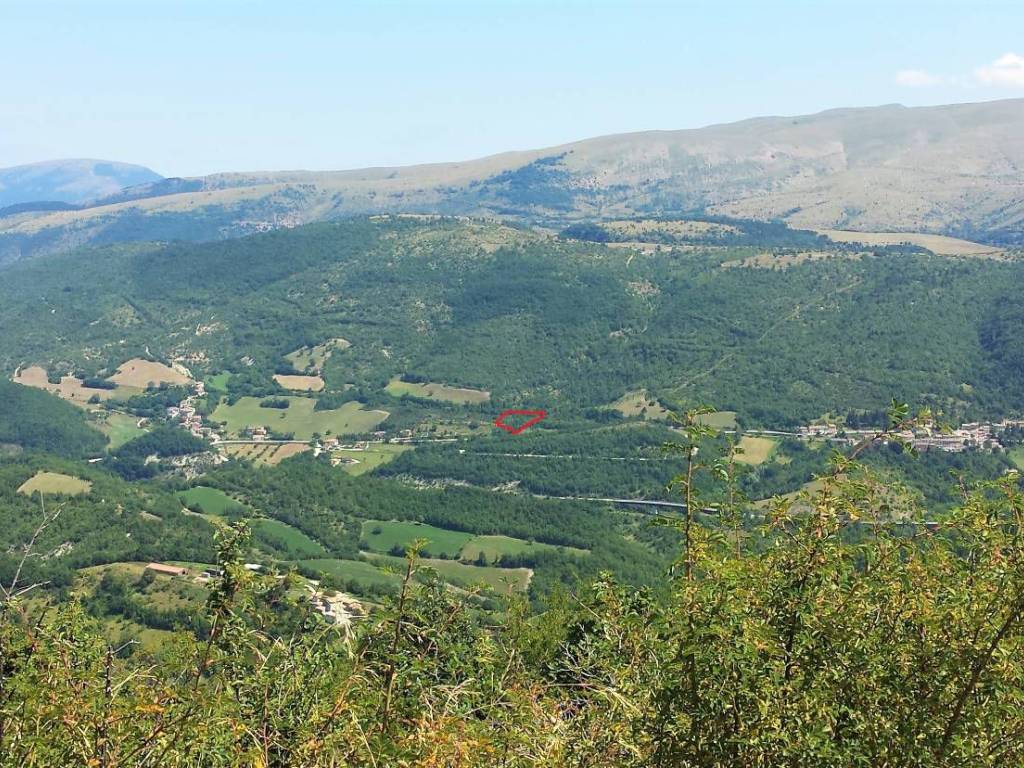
<point x="314" y="358"/>
<point x="70" y="388"/>
<point x="300" y="383"/>
<point x="431" y="391"/>
<point x="141" y="373"/>
<point x="634" y="404"/>
<point x="383" y="535"/>
<point x="265" y="453"/>
<point x="299" y="418"/>
<point x="54" y="483"/>
<point x="943" y="246"/>
<point x="756" y="450"/>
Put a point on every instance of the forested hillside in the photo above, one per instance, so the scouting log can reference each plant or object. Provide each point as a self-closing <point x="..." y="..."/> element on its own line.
<point x="548" y="611"/>
<point x="31" y="419"/>
<point x="560" y="324"/>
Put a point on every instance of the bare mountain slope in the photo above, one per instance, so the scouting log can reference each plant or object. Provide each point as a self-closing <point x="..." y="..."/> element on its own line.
<point x="955" y="169"/>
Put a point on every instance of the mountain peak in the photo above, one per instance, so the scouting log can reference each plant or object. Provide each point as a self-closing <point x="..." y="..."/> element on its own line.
<point x="73" y="180"/>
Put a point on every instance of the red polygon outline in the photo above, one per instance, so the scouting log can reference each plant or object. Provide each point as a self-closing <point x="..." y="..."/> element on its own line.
<point x="538" y="415"/>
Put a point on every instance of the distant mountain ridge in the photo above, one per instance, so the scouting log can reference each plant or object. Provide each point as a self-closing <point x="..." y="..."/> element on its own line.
<point x="956" y="169"/>
<point x="74" y="181"/>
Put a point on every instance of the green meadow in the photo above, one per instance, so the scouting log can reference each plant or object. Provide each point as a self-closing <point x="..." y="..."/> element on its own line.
<point x="298" y="418"/>
<point x="374" y="456"/>
<point x="756" y="450"/>
<point x="352" y="571"/>
<point x="384" y="535"/>
<point x="1017" y="456"/>
<point x="495" y="547"/>
<point x="285" y="540"/>
<point x="119" y="428"/>
<point x="466" y="576"/>
<point x="442" y="392"/>
<point x="209" y="501"/>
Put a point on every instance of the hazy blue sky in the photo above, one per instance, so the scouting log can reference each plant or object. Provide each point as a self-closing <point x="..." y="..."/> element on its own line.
<point x="197" y="87"/>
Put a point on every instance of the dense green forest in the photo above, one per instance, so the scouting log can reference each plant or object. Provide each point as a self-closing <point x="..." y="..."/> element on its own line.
<point x="33" y="419"/>
<point x="558" y="324"/>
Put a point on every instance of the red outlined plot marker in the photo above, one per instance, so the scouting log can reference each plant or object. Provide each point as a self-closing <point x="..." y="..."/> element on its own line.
<point x="535" y="416"/>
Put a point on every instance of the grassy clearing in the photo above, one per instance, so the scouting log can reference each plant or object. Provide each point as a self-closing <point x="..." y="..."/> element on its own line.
<point x="119" y="428"/>
<point x="300" y="383"/>
<point x="142" y="373"/>
<point x="495" y="547"/>
<point x="756" y="450"/>
<point x="466" y="576"/>
<point x="282" y="539"/>
<point x="218" y="382"/>
<point x="54" y="483"/>
<point x="299" y="418"/>
<point x="431" y="391"/>
<point x="639" y="404"/>
<point x="353" y="571"/>
<point x="1016" y="455"/>
<point x="719" y="419"/>
<point x="384" y="535"/>
<point x="373" y="457"/>
<point x="209" y="501"/>
<point x="314" y="358"/>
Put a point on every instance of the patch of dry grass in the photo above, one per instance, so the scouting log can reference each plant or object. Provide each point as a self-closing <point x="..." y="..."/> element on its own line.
<point x="300" y="383"/>
<point x="141" y="373"/>
<point x="634" y="404"/>
<point x="938" y="244"/>
<point x="70" y="388"/>
<point x="54" y="483"/>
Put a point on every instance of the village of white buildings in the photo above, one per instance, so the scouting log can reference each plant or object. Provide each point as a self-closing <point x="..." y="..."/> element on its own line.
<point x="973" y="436"/>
